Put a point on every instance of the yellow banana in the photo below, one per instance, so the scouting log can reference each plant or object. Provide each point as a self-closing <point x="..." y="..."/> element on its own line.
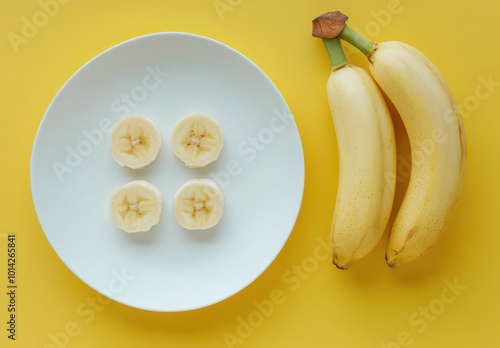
<point x="367" y="157"/>
<point x="437" y="140"/>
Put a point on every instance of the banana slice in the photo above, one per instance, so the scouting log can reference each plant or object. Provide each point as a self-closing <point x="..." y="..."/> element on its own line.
<point x="136" y="206"/>
<point x="198" y="204"/>
<point x="197" y="140"/>
<point x="135" y="142"/>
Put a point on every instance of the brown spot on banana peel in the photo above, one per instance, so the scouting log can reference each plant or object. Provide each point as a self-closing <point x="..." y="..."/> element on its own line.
<point x="336" y="264"/>
<point x="391" y="264"/>
<point x="410" y="235"/>
<point x="463" y="146"/>
<point x="394" y="263"/>
<point x="369" y="56"/>
<point x="329" y="25"/>
<point x="349" y="264"/>
<point x="340" y="267"/>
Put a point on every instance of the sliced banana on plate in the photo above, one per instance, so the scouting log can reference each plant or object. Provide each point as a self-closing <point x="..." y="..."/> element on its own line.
<point x="135" y="142"/>
<point x="198" y="204"/>
<point x="136" y="206"/>
<point x="197" y="140"/>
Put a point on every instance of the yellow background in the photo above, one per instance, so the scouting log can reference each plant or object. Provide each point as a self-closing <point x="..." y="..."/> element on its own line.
<point x="319" y="306"/>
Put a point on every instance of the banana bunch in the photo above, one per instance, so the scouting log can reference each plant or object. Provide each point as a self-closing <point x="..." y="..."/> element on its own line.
<point x="135" y="143"/>
<point x="366" y="146"/>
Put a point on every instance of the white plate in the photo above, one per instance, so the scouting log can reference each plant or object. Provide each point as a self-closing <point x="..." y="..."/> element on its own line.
<point x="165" y="76"/>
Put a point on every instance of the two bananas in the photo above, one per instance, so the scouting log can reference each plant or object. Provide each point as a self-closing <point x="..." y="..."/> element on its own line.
<point x="367" y="147"/>
<point x="135" y="143"/>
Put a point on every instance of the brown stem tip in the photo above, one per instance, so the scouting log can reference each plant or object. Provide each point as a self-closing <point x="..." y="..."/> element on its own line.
<point x="329" y="25"/>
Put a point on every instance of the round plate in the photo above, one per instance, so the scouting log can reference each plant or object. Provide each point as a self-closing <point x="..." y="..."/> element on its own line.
<point x="164" y="77"/>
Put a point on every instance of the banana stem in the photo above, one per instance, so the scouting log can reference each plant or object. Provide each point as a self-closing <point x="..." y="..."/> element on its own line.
<point x="362" y="44"/>
<point x="335" y="52"/>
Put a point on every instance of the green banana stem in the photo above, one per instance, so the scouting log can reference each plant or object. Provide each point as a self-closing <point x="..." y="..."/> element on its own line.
<point x="335" y="52"/>
<point x="362" y="44"/>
